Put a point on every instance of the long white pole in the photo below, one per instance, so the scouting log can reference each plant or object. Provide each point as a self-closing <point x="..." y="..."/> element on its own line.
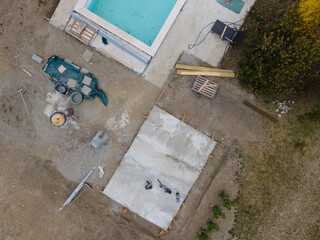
<point x="77" y="189"/>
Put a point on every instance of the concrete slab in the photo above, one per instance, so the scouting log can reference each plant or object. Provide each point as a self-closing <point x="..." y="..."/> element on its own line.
<point x="61" y="16"/>
<point x="192" y="18"/>
<point x="166" y="149"/>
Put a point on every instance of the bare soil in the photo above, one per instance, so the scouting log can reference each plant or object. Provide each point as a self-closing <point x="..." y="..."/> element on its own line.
<point x="41" y="165"/>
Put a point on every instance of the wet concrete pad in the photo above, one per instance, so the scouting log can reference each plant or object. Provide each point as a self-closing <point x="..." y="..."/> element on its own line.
<point x="166" y="149"/>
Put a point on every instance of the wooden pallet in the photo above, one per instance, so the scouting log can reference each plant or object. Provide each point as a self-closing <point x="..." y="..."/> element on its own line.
<point x="205" y="87"/>
<point x="82" y="32"/>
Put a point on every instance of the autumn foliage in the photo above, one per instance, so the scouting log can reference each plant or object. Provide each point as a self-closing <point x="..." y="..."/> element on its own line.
<point x="280" y="56"/>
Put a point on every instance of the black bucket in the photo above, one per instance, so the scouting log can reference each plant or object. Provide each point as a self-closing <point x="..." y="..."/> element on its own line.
<point x="59" y="87"/>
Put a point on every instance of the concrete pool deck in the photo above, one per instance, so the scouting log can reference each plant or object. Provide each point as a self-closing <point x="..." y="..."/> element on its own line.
<point x="192" y="18"/>
<point x="186" y="27"/>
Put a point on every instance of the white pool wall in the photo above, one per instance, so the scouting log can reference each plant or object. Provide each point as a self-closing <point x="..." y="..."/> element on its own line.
<point x="151" y="50"/>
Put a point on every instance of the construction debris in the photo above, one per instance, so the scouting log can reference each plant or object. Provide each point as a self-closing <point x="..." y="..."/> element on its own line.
<point x="165" y="189"/>
<point x="37" y="58"/>
<point x="177" y="197"/>
<point x="101" y="171"/>
<point x="282" y="108"/>
<point x="99" y="139"/>
<point x="148" y="186"/>
<point x="29" y="74"/>
<point x="24" y="102"/>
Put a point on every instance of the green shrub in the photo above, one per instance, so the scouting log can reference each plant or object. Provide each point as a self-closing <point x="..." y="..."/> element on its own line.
<point x="202" y="235"/>
<point x="278" y="58"/>
<point x="217" y="213"/>
<point x="212" y="226"/>
<point x="227" y="202"/>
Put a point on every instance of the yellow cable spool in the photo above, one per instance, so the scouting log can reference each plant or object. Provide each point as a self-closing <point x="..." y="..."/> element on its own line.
<point x="58" y="119"/>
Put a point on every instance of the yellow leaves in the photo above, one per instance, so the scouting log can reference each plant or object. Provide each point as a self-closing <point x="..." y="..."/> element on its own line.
<point x="309" y="11"/>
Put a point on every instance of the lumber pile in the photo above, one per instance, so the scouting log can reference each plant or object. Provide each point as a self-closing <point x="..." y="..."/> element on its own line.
<point x="203" y="71"/>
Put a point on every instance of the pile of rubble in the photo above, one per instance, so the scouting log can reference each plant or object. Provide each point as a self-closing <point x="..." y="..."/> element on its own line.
<point x="282" y="108"/>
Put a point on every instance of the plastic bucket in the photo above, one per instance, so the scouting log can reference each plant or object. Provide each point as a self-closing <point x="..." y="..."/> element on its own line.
<point x="76" y="98"/>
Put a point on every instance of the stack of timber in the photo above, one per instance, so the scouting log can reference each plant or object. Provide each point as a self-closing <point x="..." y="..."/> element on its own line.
<point x="203" y="71"/>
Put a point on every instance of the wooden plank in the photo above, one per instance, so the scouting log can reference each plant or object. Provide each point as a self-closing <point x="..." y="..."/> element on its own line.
<point x="79" y="38"/>
<point x="124" y="148"/>
<point x="184" y="117"/>
<point x="159" y="97"/>
<point x="197" y="68"/>
<point x="261" y="112"/>
<point x="205" y="73"/>
<point x="115" y="58"/>
<point x="219" y="143"/>
<point x="202" y="87"/>
<point x="29" y="74"/>
<point x="224" y="30"/>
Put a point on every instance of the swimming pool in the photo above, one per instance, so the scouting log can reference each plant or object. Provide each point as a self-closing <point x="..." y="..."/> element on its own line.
<point x="142" y="19"/>
<point x="142" y="23"/>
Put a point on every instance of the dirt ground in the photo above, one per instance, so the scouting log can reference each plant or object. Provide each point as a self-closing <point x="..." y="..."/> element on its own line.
<point x="41" y="165"/>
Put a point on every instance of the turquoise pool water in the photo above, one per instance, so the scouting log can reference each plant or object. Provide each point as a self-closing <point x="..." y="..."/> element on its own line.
<point x="142" y="19"/>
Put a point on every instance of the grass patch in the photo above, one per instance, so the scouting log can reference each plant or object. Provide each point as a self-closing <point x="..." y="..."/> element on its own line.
<point x="40" y="2"/>
<point x="275" y="168"/>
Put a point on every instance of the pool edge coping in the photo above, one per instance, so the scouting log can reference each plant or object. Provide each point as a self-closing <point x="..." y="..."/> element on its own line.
<point x="151" y="50"/>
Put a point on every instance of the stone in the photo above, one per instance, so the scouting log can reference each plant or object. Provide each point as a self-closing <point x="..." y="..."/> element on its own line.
<point x="37" y="58"/>
<point x="87" y="55"/>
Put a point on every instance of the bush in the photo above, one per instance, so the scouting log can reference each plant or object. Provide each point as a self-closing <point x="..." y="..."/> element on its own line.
<point x="202" y="235"/>
<point x="217" y="213"/>
<point x="227" y="202"/>
<point x="279" y="57"/>
<point x="309" y="10"/>
<point x="212" y="226"/>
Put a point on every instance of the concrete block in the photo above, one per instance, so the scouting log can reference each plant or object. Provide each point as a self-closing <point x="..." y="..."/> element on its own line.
<point x="86" y="80"/>
<point x="87" y="55"/>
<point x="68" y="61"/>
<point x="37" y="58"/>
<point x="84" y="70"/>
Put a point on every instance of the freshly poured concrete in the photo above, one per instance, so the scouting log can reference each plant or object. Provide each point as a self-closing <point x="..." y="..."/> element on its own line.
<point x="166" y="149"/>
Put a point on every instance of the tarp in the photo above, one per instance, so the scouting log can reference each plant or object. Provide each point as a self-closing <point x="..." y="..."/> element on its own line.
<point x="72" y="71"/>
<point x="233" y="5"/>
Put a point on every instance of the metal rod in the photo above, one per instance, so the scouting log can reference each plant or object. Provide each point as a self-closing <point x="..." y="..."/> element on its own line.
<point x="25" y="105"/>
<point x="77" y="189"/>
